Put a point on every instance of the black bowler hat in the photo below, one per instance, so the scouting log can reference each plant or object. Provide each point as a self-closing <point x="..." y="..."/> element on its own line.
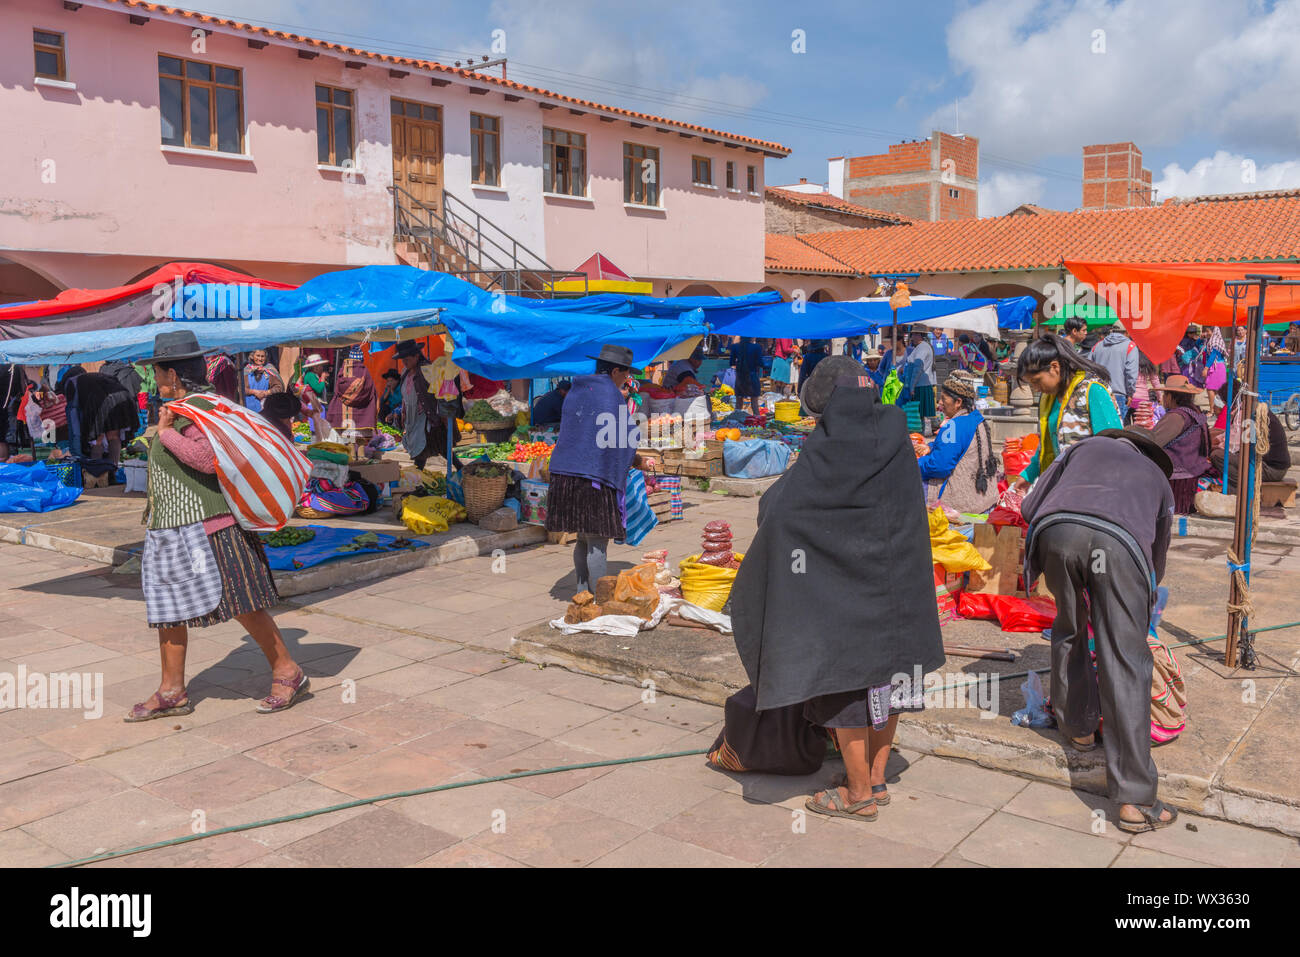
<point x="406" y="349"/>
<point x="618" y="355"/>
<point x="174" y="346"/>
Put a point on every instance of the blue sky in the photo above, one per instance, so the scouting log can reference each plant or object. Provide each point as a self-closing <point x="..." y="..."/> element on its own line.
<point x="1208" y="89"/>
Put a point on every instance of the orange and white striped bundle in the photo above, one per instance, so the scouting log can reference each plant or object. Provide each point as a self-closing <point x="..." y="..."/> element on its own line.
<point x="260" y="472"/>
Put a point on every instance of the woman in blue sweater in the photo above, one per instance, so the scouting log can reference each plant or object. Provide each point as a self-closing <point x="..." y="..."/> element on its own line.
<point x="960" y="469"/>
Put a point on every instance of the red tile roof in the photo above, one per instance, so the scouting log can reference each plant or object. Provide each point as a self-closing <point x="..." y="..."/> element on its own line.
<point x="1248" y="228"/>
<point x="789" y="254"/>
<point x="833" y="203"/>
<point x="766" y="146"/>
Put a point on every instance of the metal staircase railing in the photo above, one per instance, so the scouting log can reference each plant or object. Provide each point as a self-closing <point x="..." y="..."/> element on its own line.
<point x="459" y="240"/>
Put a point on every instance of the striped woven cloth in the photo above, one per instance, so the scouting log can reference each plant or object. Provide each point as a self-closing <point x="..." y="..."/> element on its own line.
<point x="260" y="472"/>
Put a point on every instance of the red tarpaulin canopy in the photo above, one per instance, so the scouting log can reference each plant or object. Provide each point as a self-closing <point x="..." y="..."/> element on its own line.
<point x="1163" y="298"/>
<point x="73" y="300"/>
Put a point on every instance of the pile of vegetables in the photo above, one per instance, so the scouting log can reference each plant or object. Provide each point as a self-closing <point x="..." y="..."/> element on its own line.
<point x="288" y="536"/>
<point x="527" y="451"/>
<point x="500" y="451"/>
<point x="389" y="430"/>
<point x="481" y="411"/>
<point x="488" y="470"/>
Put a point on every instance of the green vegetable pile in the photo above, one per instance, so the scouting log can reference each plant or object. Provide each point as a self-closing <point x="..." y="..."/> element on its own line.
<point x="389" y="430"/>
<point x="500" y="451"/>
<point x="366" y="540"/>
<point x="480" y="411"/>
<point x="488" y="469"/>
<point x="288" y="536"/>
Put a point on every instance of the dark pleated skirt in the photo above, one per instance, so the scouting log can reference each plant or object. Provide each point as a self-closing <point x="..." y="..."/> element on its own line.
<point x="1184" y="494"/>
<point x="574" y="504"/>
<point x="246" y="583"/>
<point x="924" y="396"/>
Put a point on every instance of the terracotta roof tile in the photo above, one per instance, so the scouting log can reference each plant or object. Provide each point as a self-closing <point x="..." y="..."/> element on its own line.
<point x="767" y="146"/>
<point x="1214" y="230"/>
<point x="832" y="202"/>
<point x="789" y="254"/>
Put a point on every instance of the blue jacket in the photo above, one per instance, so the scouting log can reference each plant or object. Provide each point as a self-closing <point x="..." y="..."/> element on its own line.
<point x="598" y="438"/>
<point x="949" y="445"/>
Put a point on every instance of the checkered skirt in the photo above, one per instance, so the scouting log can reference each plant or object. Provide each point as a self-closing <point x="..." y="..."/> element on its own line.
<point x="234" y="579"/>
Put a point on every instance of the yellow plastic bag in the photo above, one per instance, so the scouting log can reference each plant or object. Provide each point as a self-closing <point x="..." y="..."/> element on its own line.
<point x="707" y="585"/>
<point x="950" y="548"/>
<point x="422" y="516"/>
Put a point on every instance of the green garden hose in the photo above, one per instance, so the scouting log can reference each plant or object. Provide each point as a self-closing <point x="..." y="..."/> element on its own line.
<point x="361" y="802"/>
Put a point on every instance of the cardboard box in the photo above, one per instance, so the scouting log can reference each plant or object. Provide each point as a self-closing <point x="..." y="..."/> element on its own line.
<point x="377" y="473"/>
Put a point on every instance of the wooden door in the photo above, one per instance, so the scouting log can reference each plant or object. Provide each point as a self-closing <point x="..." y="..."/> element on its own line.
<point x="417" y="151"/>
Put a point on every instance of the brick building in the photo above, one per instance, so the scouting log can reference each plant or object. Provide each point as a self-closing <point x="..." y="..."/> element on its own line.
<point x="1113" y="177"/>
<point x="927" y="180"/>
<point x="787" y="212"/>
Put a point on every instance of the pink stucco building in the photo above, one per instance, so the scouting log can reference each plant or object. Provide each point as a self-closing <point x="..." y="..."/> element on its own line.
<point x="140" y="134"/>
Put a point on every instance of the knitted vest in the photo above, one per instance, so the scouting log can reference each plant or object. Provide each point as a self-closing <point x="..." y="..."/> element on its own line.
<point x="177" y="494"/>
<point x="1072" y="423"/>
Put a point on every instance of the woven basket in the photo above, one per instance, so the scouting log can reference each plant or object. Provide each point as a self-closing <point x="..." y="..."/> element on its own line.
<point x="483" y="495"/>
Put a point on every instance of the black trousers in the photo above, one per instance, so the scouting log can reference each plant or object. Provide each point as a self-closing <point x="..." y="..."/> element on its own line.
<point x="1095" y="579"/>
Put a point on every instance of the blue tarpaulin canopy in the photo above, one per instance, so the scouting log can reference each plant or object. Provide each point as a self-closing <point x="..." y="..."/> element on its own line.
<point x="231" y="335"/>
<point x="495" y="335"/>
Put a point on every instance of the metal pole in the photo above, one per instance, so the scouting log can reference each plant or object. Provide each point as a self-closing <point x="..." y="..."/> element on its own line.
<point x="1243" y="528"/>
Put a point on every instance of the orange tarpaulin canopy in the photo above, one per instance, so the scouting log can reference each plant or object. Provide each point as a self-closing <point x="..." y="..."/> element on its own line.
<point x="1157" y="301"/>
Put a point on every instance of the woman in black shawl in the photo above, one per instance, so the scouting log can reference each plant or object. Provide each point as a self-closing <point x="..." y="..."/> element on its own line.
<point x="844" y="533"/>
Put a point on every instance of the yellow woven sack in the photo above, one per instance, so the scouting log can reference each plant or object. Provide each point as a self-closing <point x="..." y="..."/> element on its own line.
<point x="950" y="548"/>
<point x="787" y="412"/>
<point x="707" y="585"/>
<point x="421" y="515"/>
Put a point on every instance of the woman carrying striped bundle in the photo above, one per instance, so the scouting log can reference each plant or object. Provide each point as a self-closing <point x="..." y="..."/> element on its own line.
<point x="200" y="567"/>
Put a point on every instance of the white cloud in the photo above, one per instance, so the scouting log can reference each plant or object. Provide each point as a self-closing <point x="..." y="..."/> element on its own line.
<point x="1225" y="173"/>
<point x="1003" y="192"/>
<point x="1221" y="68"/>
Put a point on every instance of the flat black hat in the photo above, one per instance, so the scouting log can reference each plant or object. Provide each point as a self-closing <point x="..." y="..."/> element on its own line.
<point x="1146" y="443"/>
<point x="618" y="355"/>
<point x="173" y="346"/>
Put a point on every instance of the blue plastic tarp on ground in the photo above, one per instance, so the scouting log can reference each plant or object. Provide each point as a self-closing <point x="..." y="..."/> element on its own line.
<point x="33" y="488"/>
<point x="325" y="547"/>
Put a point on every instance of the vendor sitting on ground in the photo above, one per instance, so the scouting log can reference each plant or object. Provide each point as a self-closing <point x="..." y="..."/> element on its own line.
<point x="548" y="409"/>
<point x="390" y="403"/>
<point x="1185" y="436"/>
<point x="961" y="469"/>
<point x="1276" y="460"/>
<point x="849" y="513"/>
<point x="681" y="373"/>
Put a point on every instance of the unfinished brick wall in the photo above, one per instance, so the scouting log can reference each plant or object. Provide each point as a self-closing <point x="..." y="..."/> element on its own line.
<point x="918" y="179"/>
<point x="913" y="201"/>
<point x="1113" y="177"/>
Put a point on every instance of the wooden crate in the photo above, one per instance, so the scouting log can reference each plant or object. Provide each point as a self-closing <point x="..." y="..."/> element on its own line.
<point x="698" y="469"/>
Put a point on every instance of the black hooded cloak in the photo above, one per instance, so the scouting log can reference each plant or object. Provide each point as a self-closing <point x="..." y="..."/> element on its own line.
<point x="836" y="593"/>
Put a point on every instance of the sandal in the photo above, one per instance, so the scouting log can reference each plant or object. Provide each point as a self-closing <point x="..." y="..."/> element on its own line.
<point x="1150" y="819"/>
<point x="837" y="808"/>
<point x="168" y="705"/>
<point x="274" y="702"/>
<point x="881" y="793"/>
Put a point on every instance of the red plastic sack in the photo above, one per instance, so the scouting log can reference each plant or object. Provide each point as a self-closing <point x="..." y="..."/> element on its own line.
<point x="1011" y="613"/>
<point x="1007" y="511"/>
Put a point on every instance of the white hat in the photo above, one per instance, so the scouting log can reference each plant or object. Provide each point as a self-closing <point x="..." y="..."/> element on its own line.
<point x="315" y="359"/>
